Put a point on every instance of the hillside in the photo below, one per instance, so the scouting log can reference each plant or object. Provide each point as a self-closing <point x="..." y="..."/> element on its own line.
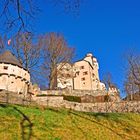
<point x="18" y="122"/>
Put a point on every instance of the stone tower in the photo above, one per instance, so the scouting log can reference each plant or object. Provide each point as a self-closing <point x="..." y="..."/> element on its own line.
<point x="13" y="77"/>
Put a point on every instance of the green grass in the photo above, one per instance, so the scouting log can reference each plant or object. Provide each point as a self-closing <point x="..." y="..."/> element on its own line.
<point x="62" y="124"/>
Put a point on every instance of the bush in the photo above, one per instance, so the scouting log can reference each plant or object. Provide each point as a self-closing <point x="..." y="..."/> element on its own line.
<point x="44" y="95"/>
<point x="40" y="95"/>
<point x="72" y="98"/>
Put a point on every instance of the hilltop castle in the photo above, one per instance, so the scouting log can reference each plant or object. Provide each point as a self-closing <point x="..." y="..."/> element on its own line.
<point x="82" y="75"/>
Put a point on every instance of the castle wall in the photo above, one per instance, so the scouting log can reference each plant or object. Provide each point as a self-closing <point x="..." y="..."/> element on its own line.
<point x="84" y="75"/>
<point x="65" y="76"/>
<point x="14" y="70"/>
<point x="75" y="92"/>
<point x="91" y="79"/>
<point x="58" y="102"/>
<point x="83" y="78"/>
<point x="14" y="78"/>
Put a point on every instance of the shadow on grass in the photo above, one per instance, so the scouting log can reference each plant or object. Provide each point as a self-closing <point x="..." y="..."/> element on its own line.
<point x="77" y="126"/>
<point x="3" y="105"/>
<point x="25" y="123"/>
<point x="109" y="116"/>
<point x="97" y="122"/>
<point x="112" y="116"/>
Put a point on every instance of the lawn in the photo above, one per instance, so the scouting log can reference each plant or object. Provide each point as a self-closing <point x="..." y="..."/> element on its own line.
<point x="17" y="122"/>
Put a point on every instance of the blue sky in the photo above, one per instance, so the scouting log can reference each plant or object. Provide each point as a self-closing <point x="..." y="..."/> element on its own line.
<point x="107" y="28"/>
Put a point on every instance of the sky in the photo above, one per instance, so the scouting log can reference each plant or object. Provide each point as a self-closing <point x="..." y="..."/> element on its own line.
<point x="106" y="28"/>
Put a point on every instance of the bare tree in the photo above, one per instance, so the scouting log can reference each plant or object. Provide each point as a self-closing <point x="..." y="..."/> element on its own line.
<point x="113" y="91"/>
<point x="56" y="51"/>
<point x="72" y="6"/>
<point x="107" y="79"/>
<point x="2" y="43"/>
<point x="27" y="49"/>
<point x="19" y="14"/>
<point x="132" y="82"/>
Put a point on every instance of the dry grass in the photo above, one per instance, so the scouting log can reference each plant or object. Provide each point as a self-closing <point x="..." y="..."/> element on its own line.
<point x="54" y="124"/>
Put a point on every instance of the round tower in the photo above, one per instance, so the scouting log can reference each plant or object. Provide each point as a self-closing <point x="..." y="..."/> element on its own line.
<point x="13" y="77"/>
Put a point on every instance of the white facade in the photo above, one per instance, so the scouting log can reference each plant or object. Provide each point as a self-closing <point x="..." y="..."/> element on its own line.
<point x="83" y="75"/>
<point x="13" y="77"/>
<point x="65" y="75"/>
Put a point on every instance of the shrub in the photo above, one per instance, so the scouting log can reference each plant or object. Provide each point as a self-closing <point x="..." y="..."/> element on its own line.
<point x="44" y="95"/>
<point x="72" y="98"/>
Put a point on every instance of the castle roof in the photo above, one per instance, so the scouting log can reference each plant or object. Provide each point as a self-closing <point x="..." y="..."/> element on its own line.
<point x="9" y="58"/>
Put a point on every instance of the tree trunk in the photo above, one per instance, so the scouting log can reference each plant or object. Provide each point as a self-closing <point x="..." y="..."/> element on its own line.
<point x="53" y="79"/>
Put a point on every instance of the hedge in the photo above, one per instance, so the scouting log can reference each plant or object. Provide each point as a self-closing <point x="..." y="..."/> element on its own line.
<point x="72" y="98"/>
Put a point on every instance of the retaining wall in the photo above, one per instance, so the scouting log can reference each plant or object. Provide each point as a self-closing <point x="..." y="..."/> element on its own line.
<point x="58" y="102"/>
<point x="75" y="92"/>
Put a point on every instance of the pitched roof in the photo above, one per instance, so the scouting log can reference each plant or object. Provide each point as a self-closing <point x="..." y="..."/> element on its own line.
<point x="8" y="57"/>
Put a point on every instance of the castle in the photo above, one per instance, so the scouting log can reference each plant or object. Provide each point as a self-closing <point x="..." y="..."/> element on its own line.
<point x="13" y="77"/>
<point x="82" y="75"/>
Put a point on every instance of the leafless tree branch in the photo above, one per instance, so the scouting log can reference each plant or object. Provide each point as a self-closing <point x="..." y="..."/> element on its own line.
<point x="56" y="51"/>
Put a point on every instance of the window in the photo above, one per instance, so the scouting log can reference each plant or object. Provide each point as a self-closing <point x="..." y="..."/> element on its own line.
<point x="82" y="67"/>
<point x="65" y="82"/>
<point x="77" y="73"/>
<point x="6" y="67"/>
<point x="83" y="79"/>
<point x="68" y="75"/>
<point x="85" y="73"/>
<point x="67" y="69"/>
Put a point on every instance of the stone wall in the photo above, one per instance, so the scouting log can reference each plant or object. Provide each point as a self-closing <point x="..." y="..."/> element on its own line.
<point x="74" y="92"/>
<point x="7" y="97"/>
<point x="86" y="95"/>
<point x="58" y="102"/>
<point x="104" y="107"/>
<point x="49" y="101"/>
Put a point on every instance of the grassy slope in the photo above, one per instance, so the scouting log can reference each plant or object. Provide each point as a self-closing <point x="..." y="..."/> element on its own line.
<point x="53" y="124"/>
